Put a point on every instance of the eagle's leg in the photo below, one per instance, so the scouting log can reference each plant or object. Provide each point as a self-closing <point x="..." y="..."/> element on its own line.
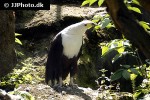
<point x="50" y="83"/>
<point x="56" y="79"/>
<point x="60" y="81"/>
<point x="71" y="80"/>
<point x="72" y="84"/>
<point x="58" y="85"/>
<point x="55" y="82"/>
<point x="73" y="71"/>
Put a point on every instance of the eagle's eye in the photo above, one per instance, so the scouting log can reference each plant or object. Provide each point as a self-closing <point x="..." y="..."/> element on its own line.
<point x="85" y="24"/>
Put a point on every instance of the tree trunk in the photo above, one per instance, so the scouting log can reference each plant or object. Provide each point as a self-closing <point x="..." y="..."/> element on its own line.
<point x="126" y="23"/>
<point x="7" y="42"/>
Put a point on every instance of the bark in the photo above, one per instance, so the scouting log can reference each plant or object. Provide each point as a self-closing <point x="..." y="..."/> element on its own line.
<point x="127" y="24"/>
<point x="7" y="42"/>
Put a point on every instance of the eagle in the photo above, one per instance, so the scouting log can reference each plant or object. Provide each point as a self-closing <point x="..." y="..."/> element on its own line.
<point x="64" y="53"/>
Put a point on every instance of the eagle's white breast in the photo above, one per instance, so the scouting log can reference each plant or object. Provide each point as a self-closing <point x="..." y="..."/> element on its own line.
<point x="71" y="44"/>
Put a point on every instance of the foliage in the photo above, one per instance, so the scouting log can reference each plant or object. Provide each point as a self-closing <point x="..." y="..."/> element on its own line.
<point x="90" y="2"/>
<point x="103" y="21"/>
<point x="16" y="39"/>
<point x="25" y="95"/>
<point x="111" y="95"/>
<point x="135" y="9"/>
<point x="145" y="25"/>
<point x="18" y="53"/>
<point x="121" y="47"/>
<point x="144" y="88"/>
<point x="107" y="93"/>
<point x="124" y="72"/>
<point x="24" y="73"/>
<point x="18" y="76"/>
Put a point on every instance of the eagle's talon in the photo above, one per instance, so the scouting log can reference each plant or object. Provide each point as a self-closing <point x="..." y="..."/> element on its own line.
<point x="58" y="87"/>
<point x="73" y="86"/>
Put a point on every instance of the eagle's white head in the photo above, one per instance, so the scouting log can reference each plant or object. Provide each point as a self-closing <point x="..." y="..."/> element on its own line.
<point x="87" y="23"/>
<point x="78" y="28"/>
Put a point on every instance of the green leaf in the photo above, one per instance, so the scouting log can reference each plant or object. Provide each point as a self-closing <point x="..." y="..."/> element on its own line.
<point x="95" y="20"/>
<point x="126" y="66"/>
<point x="116" y="57"/>
<point x="137" y="94"/>
<point x="145" y="25"/>
<point x="104" y="50"/>
<point x="17" y="34"/>
<point x="85" y="3"/>
<point x="120" y="43"/>
<point x="20" y="81"/>
<point x="117" y="75"/>
<point x="133" y="76"/>
<point x="126" y="43"/>
<point x="18" y="41"/>
<point x="110" y="25"/>
<point x="105" y="22"/>
<point x="133" y="70"/>
<point x="26" y="95"/>
<point x="112" y="42"/>
<point x="126" y="74"/>
<point x="97" y="17"/>
<point x="103" y="70"/>
<point x="135" y="9"/>
<point x="92" y="1"/>
<point x="121" y="49"/>
<point x="136" y="2"/>
<point x="100" y="2"/>
<point x="97" y="27"/>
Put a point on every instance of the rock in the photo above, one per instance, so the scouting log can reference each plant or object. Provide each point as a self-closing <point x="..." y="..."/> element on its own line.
<point x="55" y="14"/>
<point x="63" y="92"/>
<point x="38" y="24"/>
<point x="68" y="88"/>
<point x="48" y="93"/>
<point x="6" y="96"/>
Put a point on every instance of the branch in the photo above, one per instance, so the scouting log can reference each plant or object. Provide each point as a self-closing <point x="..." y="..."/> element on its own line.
<point x="145" y="4"/>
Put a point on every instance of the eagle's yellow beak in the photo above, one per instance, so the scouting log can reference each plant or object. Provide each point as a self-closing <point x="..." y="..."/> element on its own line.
<point x="89" y="25"/>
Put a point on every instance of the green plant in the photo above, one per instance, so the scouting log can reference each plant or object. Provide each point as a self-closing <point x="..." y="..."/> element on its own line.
<point x="144" y="88"/>
<point x="115" y="51"/>
<point x="18" y="76"/>
<point x="120" y="46"/>
<point x="124" y="72"/>
<point x="106" y="92"/>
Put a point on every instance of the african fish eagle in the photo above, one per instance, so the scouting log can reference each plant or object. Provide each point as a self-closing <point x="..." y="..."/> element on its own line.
<point x="64" y="53"/>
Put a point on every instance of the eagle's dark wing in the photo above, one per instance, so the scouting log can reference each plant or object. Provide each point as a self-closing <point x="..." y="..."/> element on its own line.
<point x="54" y="61"/>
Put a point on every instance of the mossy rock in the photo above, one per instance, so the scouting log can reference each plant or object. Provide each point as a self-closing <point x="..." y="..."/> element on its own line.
<point x="88" y="66"/>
